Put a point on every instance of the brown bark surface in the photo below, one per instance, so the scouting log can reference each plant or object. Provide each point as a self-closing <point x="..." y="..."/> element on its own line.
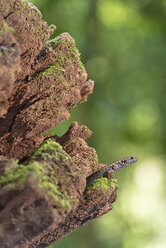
<point x="42" y="180"/>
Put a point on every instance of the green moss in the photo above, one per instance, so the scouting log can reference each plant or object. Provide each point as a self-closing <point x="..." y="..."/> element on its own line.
<point x="89" y="131"/>
<point x="24" y="4"/>
<point x="53" y="150"/>
<point x="65" y="55"/>
<point x="57" y="69"/>
<point x="70" y="46"/>
<point x="39" y="31"/>
<point x="104" y="183"/>
<point x="54" y="70"/>
<point x="51" y="27"/>
<point x="16" y="12"/>
<point x="45" y="150"/>
<point x="5" y="28"/>
<point x="17" y="177"/>
<point x="29" y="8"/>
<point x="38" y="13"/>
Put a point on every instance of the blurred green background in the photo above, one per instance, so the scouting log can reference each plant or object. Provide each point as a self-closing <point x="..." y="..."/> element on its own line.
<point x="123" y="47"/>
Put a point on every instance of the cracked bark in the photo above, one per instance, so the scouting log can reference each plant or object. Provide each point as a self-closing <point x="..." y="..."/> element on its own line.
<point x="42" y="179"/>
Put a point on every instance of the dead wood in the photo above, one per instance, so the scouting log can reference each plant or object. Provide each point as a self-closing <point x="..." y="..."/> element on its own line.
<point x="43" y="180"/>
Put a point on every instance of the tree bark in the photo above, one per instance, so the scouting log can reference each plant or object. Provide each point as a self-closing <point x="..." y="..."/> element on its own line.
<point x="43" y="179"/>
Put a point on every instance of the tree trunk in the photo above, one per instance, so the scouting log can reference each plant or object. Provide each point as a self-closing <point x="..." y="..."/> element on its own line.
<point x="43" y="179"/>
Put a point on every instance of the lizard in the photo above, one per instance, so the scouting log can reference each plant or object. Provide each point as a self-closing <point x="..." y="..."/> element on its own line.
<point x="106" y="170"/>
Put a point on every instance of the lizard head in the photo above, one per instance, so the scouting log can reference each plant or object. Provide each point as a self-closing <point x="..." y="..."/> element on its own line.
<point x="120" y="164"/>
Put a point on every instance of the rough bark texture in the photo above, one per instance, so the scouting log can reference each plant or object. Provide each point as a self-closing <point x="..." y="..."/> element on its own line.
<point x="43" y="179"/>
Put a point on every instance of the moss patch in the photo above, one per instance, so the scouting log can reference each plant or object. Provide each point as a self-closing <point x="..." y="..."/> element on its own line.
<point x="16" y="177"/>
<point x="44" y="176"/>
<point x="70" y="55"/>
<point x="104" y="183"/>
<point x="45" y="151"/>
<point x="24" y="3"/>
<point x="5" y="28"/>
<point x="54" y="70"/>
